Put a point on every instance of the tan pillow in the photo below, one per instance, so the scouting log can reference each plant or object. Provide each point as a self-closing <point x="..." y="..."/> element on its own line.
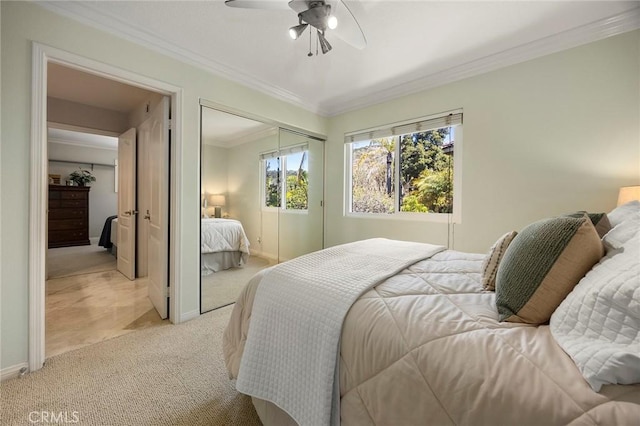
<point x="491" y="262"/>
<point x="542" y="265"/>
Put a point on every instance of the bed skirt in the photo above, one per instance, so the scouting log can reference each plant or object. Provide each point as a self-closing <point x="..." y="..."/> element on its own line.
<point x="214" y="262"/>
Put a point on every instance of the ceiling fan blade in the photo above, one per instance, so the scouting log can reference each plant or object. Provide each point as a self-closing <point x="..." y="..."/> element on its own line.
<point x="299" y="6"/>
<point x="258" y="4"/>
<point x="348" y="29"/>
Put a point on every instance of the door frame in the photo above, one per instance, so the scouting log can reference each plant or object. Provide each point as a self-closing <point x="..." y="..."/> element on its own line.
<point x="41" y="56"/>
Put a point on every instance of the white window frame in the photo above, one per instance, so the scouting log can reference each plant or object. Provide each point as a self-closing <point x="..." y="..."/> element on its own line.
<point x="454" y="217"/>
<point x="283" y="179"/>
<point x="263" y="183"/>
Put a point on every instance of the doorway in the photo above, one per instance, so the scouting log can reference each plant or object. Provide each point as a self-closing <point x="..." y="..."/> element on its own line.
<point x="42" y="58"/>
<point x="87" y="298"/>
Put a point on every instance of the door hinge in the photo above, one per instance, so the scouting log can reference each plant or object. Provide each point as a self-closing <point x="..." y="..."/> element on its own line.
<point x="170" y="124"/>
<point x="166" y="292"/>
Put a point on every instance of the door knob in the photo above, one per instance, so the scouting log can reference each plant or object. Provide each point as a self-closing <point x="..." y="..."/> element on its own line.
<point x="147" y="216"/>
<point x="130" y="212"/>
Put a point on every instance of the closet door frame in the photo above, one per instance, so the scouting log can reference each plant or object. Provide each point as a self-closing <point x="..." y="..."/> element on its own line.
<point x="314" y="136"/>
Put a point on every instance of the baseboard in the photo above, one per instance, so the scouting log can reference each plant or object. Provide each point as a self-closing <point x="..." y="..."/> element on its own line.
<point x="13" y="371"/>
<point x="189" y="316"/>
<point x="94" y="240"/>
<point x="270" y="256"/>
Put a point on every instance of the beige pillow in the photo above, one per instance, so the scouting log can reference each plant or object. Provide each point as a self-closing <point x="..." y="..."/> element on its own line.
<point x="542" y="265"/>
<point x="491" y="262"/>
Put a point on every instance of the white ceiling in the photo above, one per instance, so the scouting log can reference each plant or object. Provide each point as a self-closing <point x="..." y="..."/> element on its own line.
<point x="412" y="45"/>
<point x="225" y="130"/>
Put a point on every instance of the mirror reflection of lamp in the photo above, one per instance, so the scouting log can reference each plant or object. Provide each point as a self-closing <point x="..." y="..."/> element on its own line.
<point x="217" y="201"/>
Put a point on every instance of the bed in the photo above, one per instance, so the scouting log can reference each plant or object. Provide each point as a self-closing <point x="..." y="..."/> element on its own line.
<point x="425" y="343"/>
<point x="224" y="245"/>
<point x="109" y="235"/>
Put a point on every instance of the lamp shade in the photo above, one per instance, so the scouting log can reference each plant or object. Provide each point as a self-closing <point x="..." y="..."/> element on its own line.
<point x="216" y="200"/>
<point x="628" y="193"/>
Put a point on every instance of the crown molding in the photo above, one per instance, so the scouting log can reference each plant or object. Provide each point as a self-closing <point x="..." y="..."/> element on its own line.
<point x="84" y="13"/>
<point x="242" y="139"/>
<point x="588" y="33"/>
<point x="60" y="141"/>
<point x="608" y="27"/>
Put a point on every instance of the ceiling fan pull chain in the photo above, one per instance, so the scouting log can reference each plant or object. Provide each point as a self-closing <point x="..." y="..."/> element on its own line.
<point x="317" y="42"/>
<point x="310" y="54"/>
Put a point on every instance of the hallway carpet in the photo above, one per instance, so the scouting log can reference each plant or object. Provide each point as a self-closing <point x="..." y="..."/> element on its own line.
<point x="171" y="375"/>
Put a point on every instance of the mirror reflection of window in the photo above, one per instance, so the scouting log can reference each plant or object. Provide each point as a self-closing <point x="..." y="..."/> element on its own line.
<point x="272" y="182"/>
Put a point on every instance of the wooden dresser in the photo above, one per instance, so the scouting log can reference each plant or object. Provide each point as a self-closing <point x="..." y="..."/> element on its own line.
<point x="68" y="216"/>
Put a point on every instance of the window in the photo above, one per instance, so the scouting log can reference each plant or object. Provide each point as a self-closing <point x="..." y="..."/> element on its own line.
<point x="405" y="169"/>
<point x="273" y="182"/>
<point x="289" y="166"/>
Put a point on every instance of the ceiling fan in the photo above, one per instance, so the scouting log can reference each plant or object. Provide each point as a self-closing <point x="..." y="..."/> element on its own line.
<point x="323" y="15"/>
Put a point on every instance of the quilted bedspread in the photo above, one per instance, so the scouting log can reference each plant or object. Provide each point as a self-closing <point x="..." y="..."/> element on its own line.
<point x="425" y="347"/>
<point x="223" y="235"/>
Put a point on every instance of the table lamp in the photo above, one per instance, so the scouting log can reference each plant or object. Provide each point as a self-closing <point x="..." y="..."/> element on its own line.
<point x="628" y="193"/>
<point x="217" y="201"/>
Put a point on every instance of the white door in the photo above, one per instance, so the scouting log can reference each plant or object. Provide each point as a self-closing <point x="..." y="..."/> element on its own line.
<point x="127" y="204"/>
<point x="157" y="215"/>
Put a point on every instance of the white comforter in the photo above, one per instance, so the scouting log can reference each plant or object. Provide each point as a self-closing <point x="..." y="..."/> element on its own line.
<point x="425" y="348"/>
<point x="223" y="235"/>
<point x="291" y="353"/>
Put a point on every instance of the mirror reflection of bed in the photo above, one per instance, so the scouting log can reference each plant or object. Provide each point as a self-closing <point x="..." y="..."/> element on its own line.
<point x="231" y="235"/>
<point x="225" y="260"/>
<point x="261" y="200"/>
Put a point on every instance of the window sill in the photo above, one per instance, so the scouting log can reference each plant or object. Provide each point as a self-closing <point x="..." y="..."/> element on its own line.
<point x="407" y="217"/>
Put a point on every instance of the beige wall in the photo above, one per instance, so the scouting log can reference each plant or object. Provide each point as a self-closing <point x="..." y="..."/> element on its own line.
<point x="89" y="117"/>
<point x="215" y="165"/>
<point x="552" y="135"/>
<point x="244" y="195"/>
<point x="24" y="22"/>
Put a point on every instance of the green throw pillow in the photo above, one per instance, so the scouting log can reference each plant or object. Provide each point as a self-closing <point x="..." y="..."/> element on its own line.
<point x="599" y="220"/>
<point x="542" y="265"/>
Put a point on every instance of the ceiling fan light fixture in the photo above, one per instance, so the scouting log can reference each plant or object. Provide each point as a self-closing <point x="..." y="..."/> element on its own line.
<point x="332" y="22"/>
<point x="296" y="31"/>
<point x="324" y="44"/>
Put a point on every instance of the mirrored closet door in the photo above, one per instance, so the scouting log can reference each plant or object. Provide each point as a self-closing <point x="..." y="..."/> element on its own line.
<point x="261" y="200"/>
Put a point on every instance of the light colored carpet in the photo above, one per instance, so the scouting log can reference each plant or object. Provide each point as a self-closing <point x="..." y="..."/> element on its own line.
<point x="78" y="260"/>
<point x="223" y="287"/>
<point x="172" y="375"/>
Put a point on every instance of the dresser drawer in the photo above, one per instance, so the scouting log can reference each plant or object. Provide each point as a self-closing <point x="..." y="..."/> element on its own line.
<point x="68" y="238"/>
<point x="68" y="219"/>
<point x="73" y="195"/>
<point x="73" y="203"/>
<point x="63" y="224"/>
<point x="71" y="213"/>
<point x="57" y="204"/>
